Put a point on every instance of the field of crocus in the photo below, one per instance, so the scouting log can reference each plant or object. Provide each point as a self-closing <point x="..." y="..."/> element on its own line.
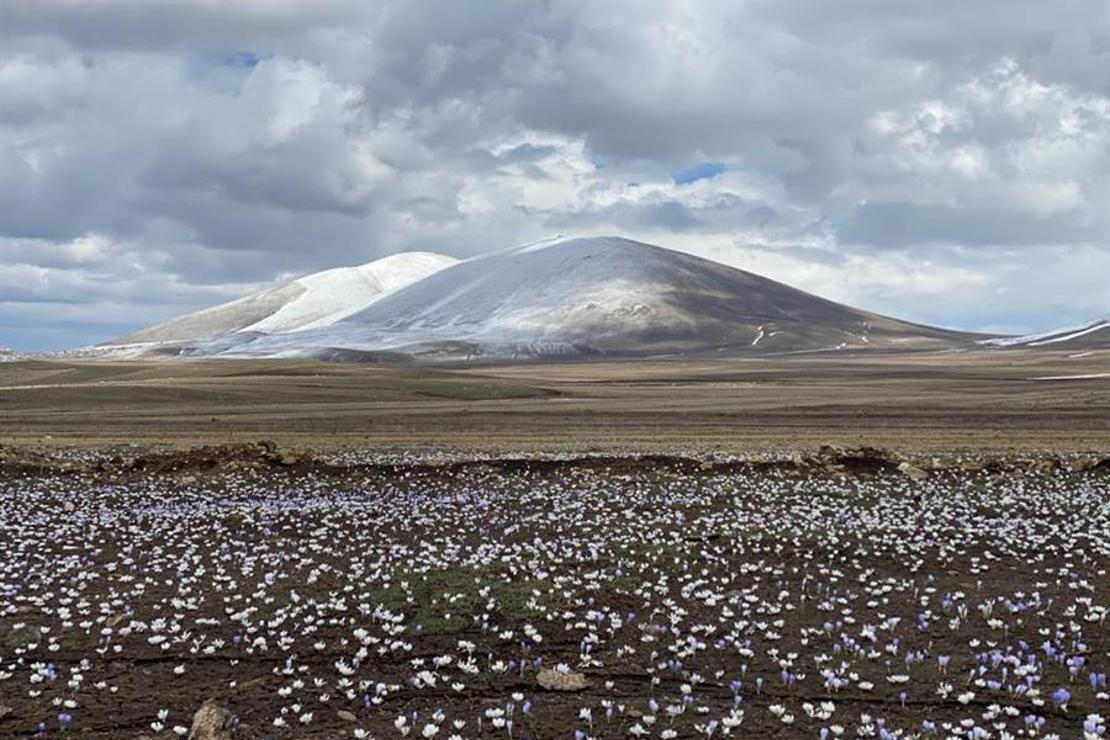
<point x="562" y="600"/>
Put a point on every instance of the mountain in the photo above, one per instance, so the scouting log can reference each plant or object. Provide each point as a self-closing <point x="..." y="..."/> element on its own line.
<point x="588" y="297"/>
<point x="314" y="300"/>
<point x="1094" y="334"/>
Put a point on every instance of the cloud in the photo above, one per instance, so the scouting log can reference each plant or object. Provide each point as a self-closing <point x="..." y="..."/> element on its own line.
<point x="873" y="152"/>
<point x="1002" y="159"/>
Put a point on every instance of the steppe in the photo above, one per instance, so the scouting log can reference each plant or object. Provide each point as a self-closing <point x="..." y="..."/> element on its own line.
<point x="1016" y="400"/>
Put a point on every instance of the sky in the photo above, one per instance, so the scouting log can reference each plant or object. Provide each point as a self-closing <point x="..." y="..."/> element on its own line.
<point x="946" y="162"/>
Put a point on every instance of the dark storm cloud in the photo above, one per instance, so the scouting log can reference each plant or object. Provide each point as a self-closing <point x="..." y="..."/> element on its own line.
<point x="211" y="146"/>
<point x="189" y="25"/>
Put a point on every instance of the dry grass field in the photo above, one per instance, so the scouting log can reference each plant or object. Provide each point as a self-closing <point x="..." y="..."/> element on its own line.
<point x="971" y="401"/>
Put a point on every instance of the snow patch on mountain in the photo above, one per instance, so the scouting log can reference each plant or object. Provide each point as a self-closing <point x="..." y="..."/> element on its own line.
<point x="332" y="295"/>
<point x="1065" y="334"/>
<point x="310" y="301"/>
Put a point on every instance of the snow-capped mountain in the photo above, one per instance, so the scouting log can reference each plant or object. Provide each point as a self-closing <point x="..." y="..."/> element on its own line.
<point x="587" y="297"/>
<point x="314" y="300"/>
<point x="1094" y="334"/>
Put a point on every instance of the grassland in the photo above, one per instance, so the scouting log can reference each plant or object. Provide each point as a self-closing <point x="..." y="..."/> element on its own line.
<point x="971" y="401"/>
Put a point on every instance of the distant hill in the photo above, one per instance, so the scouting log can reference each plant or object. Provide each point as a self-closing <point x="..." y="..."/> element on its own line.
<point x="583" y="298"/>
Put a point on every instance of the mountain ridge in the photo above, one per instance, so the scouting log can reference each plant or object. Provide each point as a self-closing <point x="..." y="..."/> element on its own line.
<point x="587" y="297"/>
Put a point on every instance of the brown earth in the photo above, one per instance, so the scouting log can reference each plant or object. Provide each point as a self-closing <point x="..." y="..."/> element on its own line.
<point x="319" y="538"/>
<point x="914" y="402"/>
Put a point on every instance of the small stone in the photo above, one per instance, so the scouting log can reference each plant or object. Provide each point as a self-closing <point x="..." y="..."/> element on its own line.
<point x="912" y="471"/>
<point x="211" y="722"/>
<point x="1045" y="467"/>
<point x="559" y="681"/>
<point x="346" y="716"/>
<point x="289" y="458"/>
<point x="5" y="712"/>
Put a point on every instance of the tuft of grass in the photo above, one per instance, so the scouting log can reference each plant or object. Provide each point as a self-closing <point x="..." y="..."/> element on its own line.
<point x="456" y="592"/>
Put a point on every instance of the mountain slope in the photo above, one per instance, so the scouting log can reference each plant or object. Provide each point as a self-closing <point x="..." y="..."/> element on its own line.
<point x="313" y="300"/>
<point x="1094" y="334"/>
<point x="593" y="296"/>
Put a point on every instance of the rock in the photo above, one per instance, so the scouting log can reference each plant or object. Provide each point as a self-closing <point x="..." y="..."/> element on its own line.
<point x="266" y="446"/>
<point x="833" y="459"/>
<point x="5" y="712"/>
<point x="912" y="471"/>
<point x="289" y="458"/>
<point x="1046" y="467"/>
<point x="346" y="716"/>
<point x="560" y="681"/>
<point x="211" y="722"/>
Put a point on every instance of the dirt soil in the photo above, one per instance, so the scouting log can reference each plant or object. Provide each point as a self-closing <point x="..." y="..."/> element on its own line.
<point x="832" y="590"/>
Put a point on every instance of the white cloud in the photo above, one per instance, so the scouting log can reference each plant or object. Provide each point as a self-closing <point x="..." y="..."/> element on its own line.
<point x="162" y="155"/>
<point x="1000" y="140"/>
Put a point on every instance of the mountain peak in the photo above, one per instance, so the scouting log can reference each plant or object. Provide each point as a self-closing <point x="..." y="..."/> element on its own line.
<point x="559" y="297"/>
<point x="591" y="296"/>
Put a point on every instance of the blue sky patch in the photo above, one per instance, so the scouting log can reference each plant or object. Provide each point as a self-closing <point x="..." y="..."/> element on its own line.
<point x="243" y="58"/>
<point x="698" y="172"/>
